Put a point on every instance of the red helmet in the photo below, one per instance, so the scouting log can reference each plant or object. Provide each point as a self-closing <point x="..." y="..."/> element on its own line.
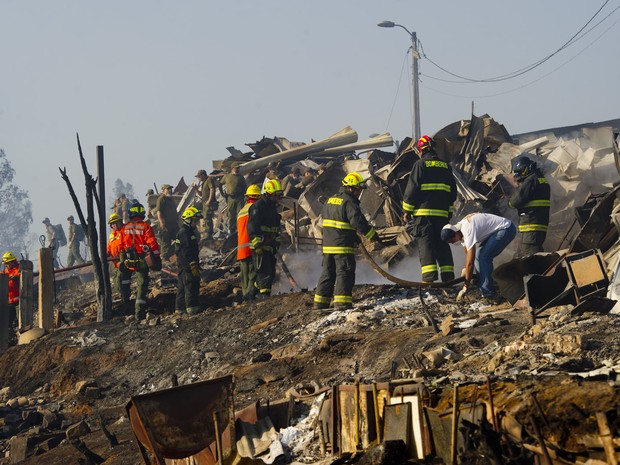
<point x="425" y="144"/>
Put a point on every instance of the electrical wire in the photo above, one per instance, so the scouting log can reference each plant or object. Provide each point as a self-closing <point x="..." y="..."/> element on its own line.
<point x="535" y="80"/>
<point x="576" y="37"/>
<point x="400" y="78"/>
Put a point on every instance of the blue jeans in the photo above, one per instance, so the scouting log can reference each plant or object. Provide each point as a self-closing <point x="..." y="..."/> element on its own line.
<point x="485" y="254"/>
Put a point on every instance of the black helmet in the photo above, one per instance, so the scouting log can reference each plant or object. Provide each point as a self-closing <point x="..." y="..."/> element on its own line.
<point x="522" y="167"/>
<point x="136" y="209"/>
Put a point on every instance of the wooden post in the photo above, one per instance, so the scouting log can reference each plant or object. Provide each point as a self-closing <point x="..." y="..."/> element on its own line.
<point x="26" y="295"/>
<point x="606" y="438"/>
<point x="455" y="423"/>
<point x="218" y="441"/>
<point x="541" y="440"/>
<point x="46" y="289"/>
<point x="4" y="311"/>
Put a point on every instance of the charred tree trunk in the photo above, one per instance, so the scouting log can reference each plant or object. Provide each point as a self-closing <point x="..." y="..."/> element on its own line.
<point x="100" y="267"/>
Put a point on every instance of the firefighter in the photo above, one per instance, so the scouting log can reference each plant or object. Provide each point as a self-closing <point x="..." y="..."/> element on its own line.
<point x="342" y="218"/>
<point x="11" y="268"/>
<point x="188" y="262"/>
<point x="244" y="254"/>
<point x="264" y="233"/>
<point x="121" y="276"/>
<point x="532" y="199"/>
<point x="138" y="240"/>
<point x="428" y="205"/>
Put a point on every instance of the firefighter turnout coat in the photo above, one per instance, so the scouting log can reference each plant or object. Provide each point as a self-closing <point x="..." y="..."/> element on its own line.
<point x="532" y="199"/>
<point x="264" y="233"/>
<point x="429" y="199"/>
<point x="431" y="190"/>
<point x="342" y="219"/>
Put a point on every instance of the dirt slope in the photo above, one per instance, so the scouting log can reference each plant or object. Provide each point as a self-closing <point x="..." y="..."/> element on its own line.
<point x="272" y="345"/>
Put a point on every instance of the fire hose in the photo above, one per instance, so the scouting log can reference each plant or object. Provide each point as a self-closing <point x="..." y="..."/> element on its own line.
<point x="404" y="282"/>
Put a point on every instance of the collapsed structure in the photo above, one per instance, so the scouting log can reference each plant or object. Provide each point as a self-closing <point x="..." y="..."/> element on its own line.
<point x="581" y="164"/>
<point x="401" y="416"/>
<point x="459" y="389"/>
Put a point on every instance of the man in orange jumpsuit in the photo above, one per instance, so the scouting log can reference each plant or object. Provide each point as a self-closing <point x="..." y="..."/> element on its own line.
<point x="138" y="240"/>
<point x="244" y="253"/>
<point x="11" y="268"/>
<point x="122" y="276"/>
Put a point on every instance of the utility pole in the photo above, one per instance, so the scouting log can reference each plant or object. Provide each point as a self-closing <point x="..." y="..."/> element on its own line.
<point x="415" y="92"/>
<point x="415" y="56"/>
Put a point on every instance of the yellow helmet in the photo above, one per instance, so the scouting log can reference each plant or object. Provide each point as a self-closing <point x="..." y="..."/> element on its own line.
<point x="114" y="218"/>
<point x="191" y="212"/>
<point x="273" y="187"/>
<point x="8" y="257"/>
<point x="354" y="180"/>
<point x="253" y="192"/>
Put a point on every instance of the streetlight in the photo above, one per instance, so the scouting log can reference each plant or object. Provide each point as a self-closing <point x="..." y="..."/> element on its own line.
<point x="414" y="78"/>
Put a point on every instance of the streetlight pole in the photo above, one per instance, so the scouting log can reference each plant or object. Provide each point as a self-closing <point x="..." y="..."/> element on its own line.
<point x="414" y="76"/>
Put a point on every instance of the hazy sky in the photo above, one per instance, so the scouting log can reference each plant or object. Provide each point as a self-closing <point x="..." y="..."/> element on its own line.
<point x="165" y="87"/>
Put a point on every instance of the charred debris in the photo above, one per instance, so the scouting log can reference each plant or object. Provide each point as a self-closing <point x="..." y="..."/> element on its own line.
<point x="531" y="381"/>
<point x="409" y="418"/>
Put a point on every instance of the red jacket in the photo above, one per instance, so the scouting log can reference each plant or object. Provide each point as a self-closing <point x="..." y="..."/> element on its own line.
<point x="243" y="238"/>
<point x="136" y="234"/>
<point x="115" y="245"/>
<point x="13" y="283"/>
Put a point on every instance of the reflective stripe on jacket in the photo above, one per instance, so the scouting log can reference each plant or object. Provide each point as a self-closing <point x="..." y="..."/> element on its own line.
<point x="186" y="246"/>
<point x="342" y="217"/>
<point x="14" y="275"/>
<point x="264" y="225"/>
<point x="431" y="189"/>
<point x="136" y="234"/>
<point x="115" y="245"/>
<point x="532" y="200"/>
<point x="243" y="238"/>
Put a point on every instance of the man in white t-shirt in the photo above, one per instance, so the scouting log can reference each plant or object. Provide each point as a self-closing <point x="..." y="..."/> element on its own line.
<point x="484" y="236"/>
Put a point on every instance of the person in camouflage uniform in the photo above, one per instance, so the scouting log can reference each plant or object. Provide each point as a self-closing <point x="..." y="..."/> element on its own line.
<point x="73" y="244"/>
<point x="168" y="221"/>
<point x="208" y="186"/>
<point x="123" y="207"/>
<point x="52" y="240"/>
<point x="235" y="186"/>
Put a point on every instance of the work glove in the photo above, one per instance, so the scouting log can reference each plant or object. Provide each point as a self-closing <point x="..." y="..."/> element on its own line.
<point x="462" y="293"/>
<point x="258" y="249"/>
<point x="195" y="269"/>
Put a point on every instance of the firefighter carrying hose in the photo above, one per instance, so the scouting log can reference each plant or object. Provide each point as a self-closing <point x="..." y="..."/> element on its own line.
<point x="342" y="218"/>
<point x="532" y="200"/>
<point x="428" y="205"/>
<point x="138" y="240"/>
<point x="264" y="234"/>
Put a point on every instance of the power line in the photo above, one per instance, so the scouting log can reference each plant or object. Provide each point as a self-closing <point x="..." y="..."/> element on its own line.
<point x="535" y="80"/>
<point x="530" y="67"/>
<point x="400" y="78"/>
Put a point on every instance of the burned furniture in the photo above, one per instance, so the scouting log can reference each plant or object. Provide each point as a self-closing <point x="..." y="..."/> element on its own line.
<point x="185" y="421"/>
<point x="576" y="278"/>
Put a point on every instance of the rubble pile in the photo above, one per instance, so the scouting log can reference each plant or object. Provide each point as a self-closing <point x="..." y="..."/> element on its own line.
<point x="408" y="374"/>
